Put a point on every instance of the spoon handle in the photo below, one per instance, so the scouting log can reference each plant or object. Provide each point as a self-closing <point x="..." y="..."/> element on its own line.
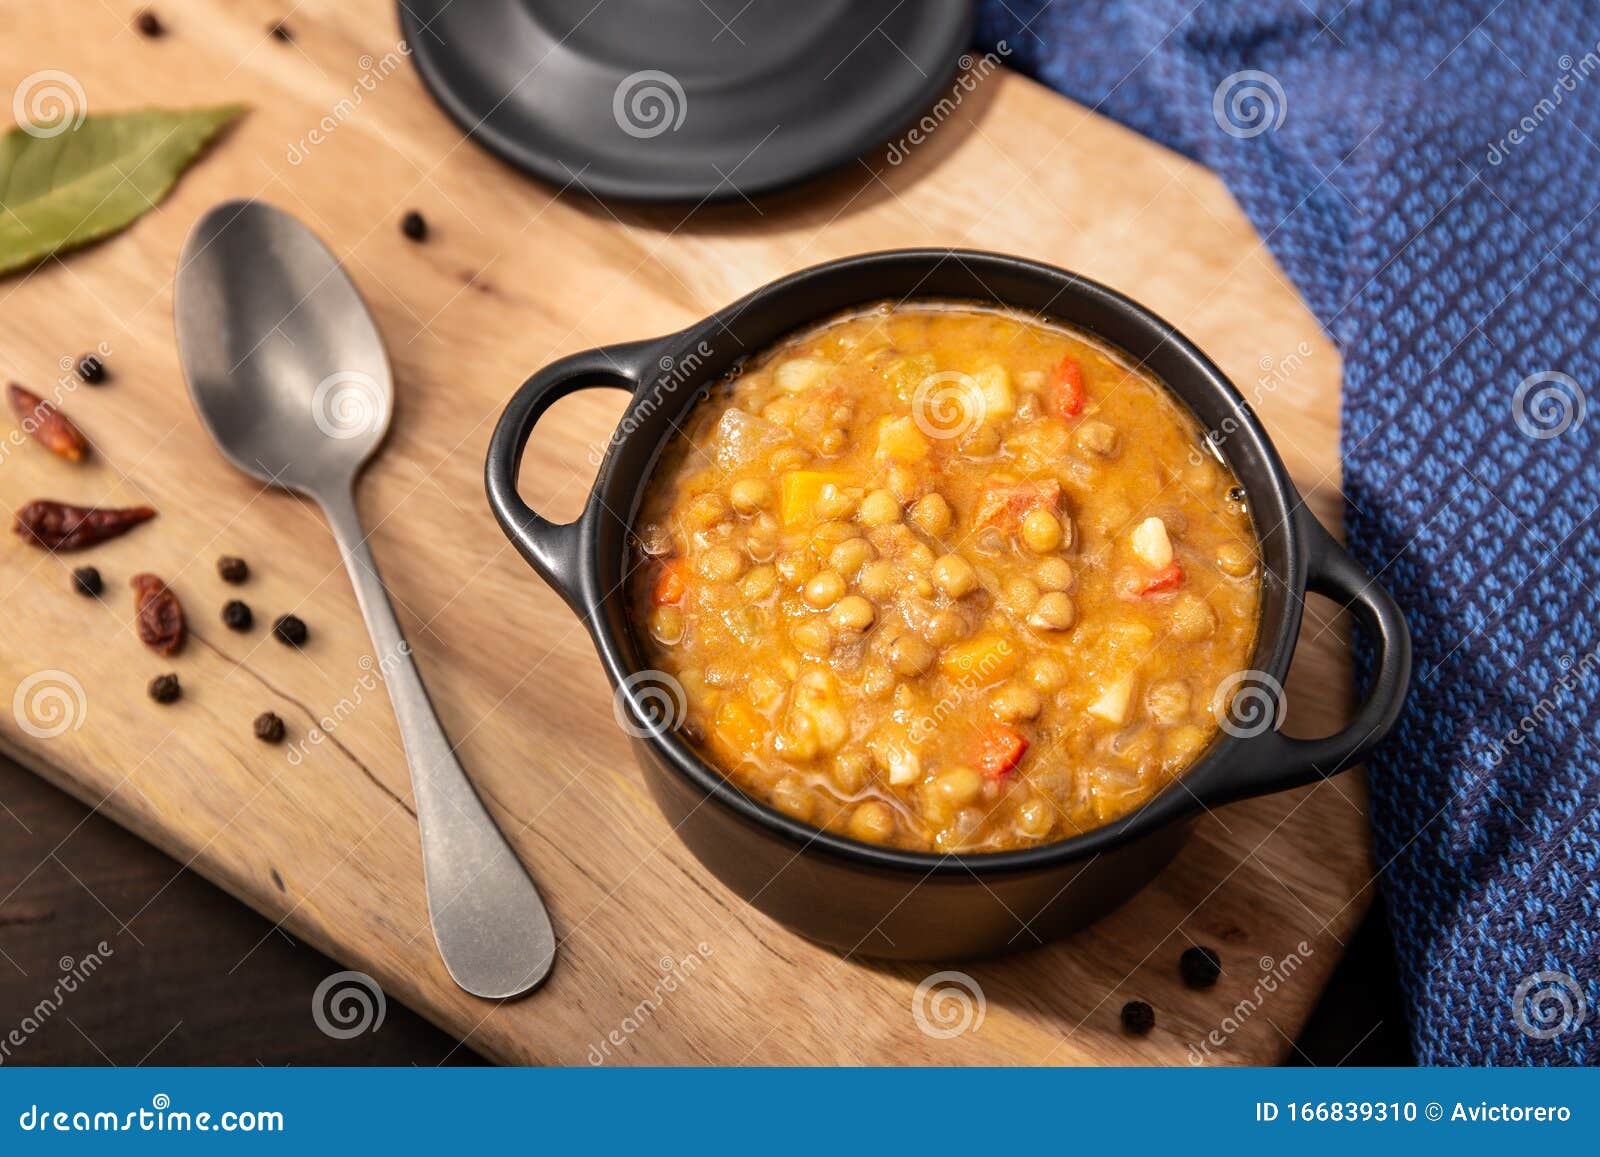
<point x="490" y="924"/>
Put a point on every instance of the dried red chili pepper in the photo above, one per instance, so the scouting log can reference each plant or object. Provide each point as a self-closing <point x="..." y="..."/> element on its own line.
<point x="159" y="614"/>
<point x="62" y="526"/>
<point x="47" y="423"/>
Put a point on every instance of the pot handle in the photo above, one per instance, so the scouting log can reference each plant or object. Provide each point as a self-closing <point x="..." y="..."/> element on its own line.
<point x="1271" y="761"/>
<point x="551" y="548"/>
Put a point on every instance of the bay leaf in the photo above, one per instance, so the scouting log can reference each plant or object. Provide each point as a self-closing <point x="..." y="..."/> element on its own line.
<point x="63" y="187"/>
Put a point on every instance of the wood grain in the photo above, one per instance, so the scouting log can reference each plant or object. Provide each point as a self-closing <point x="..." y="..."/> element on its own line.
<point x="322" y="835"/>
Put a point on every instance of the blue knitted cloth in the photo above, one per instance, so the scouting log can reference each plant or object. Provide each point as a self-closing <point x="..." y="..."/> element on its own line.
<point x="1428" y="173"/>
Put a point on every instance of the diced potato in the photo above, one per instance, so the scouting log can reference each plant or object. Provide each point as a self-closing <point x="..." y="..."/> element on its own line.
<point x="891" y="745"/>
<point x="1151" y="544"/>
<point x="996" y="397"/>
<point x="799" y="375"/>
<point x="899" y="440"/>
<point x="815" y="714"/>
<point x="742" y="438"/>
<point x="904" y="766"/>
<point x="1112" y="704"/>
<point x="800" y="490"/>
<point x="988" y="658"/>
<point x="1115" y="789"/>
<point x="797" y="741"/>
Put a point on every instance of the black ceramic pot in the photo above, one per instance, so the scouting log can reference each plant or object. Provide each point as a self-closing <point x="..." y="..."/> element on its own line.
<point x="879" y="901"/>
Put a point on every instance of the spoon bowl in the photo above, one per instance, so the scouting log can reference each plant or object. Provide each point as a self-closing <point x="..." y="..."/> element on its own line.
<point x="283" y="359"/>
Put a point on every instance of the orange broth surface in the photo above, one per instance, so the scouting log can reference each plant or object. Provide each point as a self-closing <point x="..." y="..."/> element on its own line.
<point x="947" y="578"/>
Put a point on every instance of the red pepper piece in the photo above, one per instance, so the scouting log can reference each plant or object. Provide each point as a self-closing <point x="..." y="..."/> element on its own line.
<point x="1066" y="388"/>
<point x="47" y="423"/>
<point x="159" y="614"/>
<point x="62" y="526"/>
<point x="1000" y="748"/>
<point x="1006" y="506"/>
<point x="1169" y="577"/>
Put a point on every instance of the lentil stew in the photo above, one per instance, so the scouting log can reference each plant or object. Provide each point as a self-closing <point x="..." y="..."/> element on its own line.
<point x="946" y="577"/>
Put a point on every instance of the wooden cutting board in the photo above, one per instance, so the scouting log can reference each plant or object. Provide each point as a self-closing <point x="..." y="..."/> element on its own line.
<point x="658" y="962"/>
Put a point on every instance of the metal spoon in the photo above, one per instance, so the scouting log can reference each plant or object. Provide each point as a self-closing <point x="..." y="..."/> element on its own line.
<point x="289" y="374"/>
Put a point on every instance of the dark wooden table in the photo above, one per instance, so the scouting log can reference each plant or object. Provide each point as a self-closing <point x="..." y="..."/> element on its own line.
<point x="194" y="977"/>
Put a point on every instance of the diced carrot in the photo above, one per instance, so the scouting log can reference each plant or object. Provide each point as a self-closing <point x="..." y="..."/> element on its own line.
<point x="1000" y="748"/>
<point x="1004" y="507"/>
<point x="739" y="728"/>
<point x="1066" y="387"/>
<point x="980" y="660"/>
<point x="670" y="585"/>
<point x="1169" y="577"/>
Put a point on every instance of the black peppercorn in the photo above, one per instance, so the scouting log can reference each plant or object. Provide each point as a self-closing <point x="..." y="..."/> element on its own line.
<point x="1138" y="1018"/>
<point x="290" y="630"/>
<point x="413" y="226"/>
<point x="91" y="369"/>
<point x="280" y="31"/>
<point x="1236" y="494"/>
<point x="1200" y="967"/>
<point x="86" y="581"/>
<point x="165" y="689"/>
<point x="268" y="727"/>
<point x="236" y="615"/>
<point x="149" y="24"/>
<point x="232" y="570"/>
